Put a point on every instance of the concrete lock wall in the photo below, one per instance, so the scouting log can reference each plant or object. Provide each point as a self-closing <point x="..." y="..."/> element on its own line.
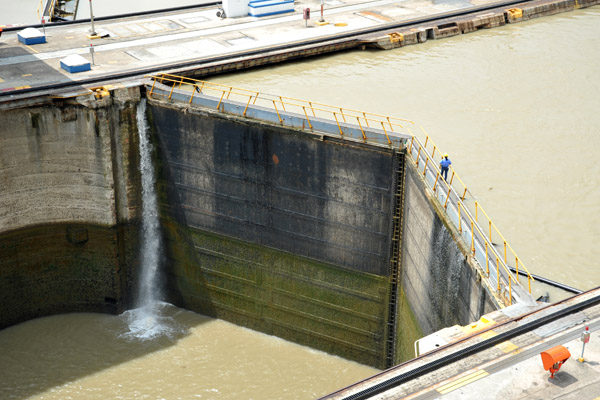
<point x="440" y="282"/>
<point x="69" y="193"/>
<point x="283" y="231"/>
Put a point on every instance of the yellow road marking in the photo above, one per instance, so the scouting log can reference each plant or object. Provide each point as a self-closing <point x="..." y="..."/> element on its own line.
<point x="32" y="49"/>
<point x="112" y="62"/>
<point x="506" y="346"/>
<point x="22" y="87"/>
<point x="465" y="380"/>
<point x="69" y="37"/>
<point x="24" y="75"/>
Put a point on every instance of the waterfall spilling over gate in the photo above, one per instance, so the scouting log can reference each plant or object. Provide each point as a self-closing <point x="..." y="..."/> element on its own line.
<point x="147" y="321"/>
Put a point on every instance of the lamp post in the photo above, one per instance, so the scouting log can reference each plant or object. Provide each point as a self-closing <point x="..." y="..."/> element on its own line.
<point x="93" y="32"/>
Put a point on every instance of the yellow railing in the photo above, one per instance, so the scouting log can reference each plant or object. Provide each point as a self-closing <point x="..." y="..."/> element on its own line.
<point x="426" y="153"/>
<point x="41" y="6"/>
<point x="309" y="109"/>
<point x="458" y="186"/>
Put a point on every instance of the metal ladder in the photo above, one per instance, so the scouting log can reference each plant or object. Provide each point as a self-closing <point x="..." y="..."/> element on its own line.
<point x="395" y="245"/>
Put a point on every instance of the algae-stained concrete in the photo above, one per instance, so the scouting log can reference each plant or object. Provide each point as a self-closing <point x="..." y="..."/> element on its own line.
<point x="283" y="231"/>
<point x="70" y="192"/>
<point x="441" y="283"/>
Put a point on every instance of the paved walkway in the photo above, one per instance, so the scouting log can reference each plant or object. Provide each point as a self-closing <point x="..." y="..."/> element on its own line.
<point x="511" y="369"/>
<point x="197" y="34"/>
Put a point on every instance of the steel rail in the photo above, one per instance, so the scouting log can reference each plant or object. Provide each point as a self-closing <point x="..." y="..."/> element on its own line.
<point x="472" y="349"/>
<point x="549" y="282"/>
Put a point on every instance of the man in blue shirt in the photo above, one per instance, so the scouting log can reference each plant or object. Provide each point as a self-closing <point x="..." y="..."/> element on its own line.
<point x="444" y="164"/>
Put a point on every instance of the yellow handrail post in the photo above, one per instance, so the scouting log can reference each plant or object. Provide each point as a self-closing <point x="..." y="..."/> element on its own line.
<point x="366" y="119"/>
<point x="487" y="260"/>
<point x="447" y="197"/>
<point x="221" y="99"/>
<point x="312" y="109"/>
<point x="282" y="103"/>
<point x="425" y="167"/>
<point x="472" y="238"/>
<point x="361" y="128"/>
<point x="510" y="290"/>
<point x="255" y="98"/>
<point x="464" y="194"/>
<point x="308" y="120"/>
<point x="228" y="93"/>
<point x="529" y="280"/>
<point x="437" y="179"/>
<point x="277" y="111"/>
<point x="476" y="219"/>
<point x="153" y="83"/>
<point x="498" y="272"/>
<point x="386" y="134"/>
<point x="490" y="222"/>
<point x="343" y="115"/>
<point x="171" y="92"/>
<point x="504" y="251"/>
<point x="338" y="124"/>
<point x="192" y="95"/>
<point x="517" y="264"/>
<point x="418" y="156"/>
<point x="247" y="105"/>
<point x="459" y="219"/>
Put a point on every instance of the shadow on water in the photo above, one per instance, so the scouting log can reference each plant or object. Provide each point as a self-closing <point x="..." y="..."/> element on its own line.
<point x="69" y="347"/>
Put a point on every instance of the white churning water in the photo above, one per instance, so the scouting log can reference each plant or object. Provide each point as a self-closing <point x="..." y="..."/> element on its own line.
<point x="146" y="321"/>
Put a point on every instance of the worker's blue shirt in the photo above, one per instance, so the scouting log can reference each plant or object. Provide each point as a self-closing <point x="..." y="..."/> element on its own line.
<point x="445" y="163"/>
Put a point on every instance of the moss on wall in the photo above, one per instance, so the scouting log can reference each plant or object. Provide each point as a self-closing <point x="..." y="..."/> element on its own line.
<point x="408" y="330"/>
<point x="334" y="309"/>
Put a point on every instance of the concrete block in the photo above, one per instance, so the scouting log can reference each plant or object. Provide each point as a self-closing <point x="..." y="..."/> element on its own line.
<point x="75" y="63"/>
<point x="261" y="8"/>
<point x="31" y="36"/>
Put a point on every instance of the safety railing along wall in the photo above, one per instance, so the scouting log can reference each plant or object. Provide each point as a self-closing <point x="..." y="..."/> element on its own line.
<point x="468" y="216"/>
<point x="47" y="9"/>
<point x="473" y="223"/>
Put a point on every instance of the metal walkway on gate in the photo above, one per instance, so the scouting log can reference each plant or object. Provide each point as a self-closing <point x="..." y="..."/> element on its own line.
<point x="494" y="256"/>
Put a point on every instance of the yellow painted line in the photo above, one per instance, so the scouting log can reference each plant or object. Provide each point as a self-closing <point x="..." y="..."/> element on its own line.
<point x="506" y="346"/>
<point x="24" y="75"/>
<point x="2" y="80"/>
<point x="112" y="62"/>
<point x="22" y="87"/>
<point x="69" y="37"/>
<point x="32" y="49"/>
<point x="465" y="380"/>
